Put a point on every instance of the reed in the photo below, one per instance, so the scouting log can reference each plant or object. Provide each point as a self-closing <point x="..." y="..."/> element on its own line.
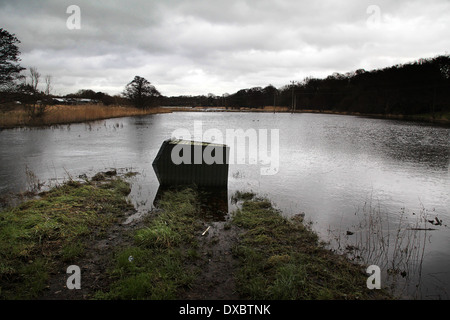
<point x="63" y="114"/>
<point x="395" y="243"/>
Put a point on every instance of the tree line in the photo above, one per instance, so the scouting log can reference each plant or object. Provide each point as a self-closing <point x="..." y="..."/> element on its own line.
<point x="25" y="89"/>
<point x="422" y="86"/>
<point x="417" y="87"/>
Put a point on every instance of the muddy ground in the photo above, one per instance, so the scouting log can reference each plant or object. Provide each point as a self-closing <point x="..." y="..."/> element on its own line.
<point x="216" y="280"/>
<point x="216" y="264"/>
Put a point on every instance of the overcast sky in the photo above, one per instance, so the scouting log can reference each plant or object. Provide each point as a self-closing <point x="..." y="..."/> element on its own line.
<point x="213" y="46"/>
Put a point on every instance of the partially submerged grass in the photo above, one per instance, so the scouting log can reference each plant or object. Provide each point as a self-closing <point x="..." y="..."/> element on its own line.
<point x="282" y="259"/>
<point x="395" y="243"/>
<point x="39" y="233"/>
<point x="242" y="195"/>
<point x="157" y="265"/>
<point x="277" y="258"/>
<point x="141" y="273"/>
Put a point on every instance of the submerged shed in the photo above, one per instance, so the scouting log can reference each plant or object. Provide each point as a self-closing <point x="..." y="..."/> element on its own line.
<point x="185" y="162"/>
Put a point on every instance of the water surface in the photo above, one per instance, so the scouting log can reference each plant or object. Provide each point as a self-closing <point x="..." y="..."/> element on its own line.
<point x="337" y="170"/>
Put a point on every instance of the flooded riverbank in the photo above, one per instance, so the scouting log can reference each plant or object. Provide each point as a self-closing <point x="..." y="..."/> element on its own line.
<point x="331" y="167"/>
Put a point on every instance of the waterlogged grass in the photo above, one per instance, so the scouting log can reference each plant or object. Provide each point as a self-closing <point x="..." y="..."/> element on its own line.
<point x="282" y="259"/>
<point x="277" y="258"/>
<point x="38" y="233"/>
<point x="141" y="273"/>
<point x="176" y="222"/>
<point x="157" y="266"/>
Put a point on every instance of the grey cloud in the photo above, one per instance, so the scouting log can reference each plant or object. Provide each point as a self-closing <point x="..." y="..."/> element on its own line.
<point x="201" y="46"/>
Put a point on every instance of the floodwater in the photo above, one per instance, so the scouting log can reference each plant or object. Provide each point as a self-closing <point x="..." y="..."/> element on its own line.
<point x="377" y="189"/>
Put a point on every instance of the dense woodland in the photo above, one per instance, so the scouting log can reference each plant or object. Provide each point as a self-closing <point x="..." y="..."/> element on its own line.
<point x="418" y="87"/>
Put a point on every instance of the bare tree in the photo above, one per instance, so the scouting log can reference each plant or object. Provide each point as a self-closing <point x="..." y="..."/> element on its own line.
<point x="36" y="101"/>
<point x="48" y="84"/>
<point x="34" y="76"/>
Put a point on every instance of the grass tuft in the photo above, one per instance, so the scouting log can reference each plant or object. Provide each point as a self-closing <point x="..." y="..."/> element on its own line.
<point x="156" y="267"/>
<point x="38" y="232"/>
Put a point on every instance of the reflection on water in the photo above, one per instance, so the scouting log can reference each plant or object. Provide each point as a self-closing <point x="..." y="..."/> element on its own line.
<point x="330" y="168"/>
<point x="213" y="201"/>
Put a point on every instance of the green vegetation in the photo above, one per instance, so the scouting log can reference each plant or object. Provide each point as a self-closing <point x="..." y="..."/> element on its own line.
<point x="158" y="264"/>
<point x="408" y="89"/>
<point x="41" y="232"/>
<point x="272" y="257"/>
<point x="278" y="258"/>
<point x="282" y="259"/>
<point x="443" y="117"/>
<point x="240" y="195"/>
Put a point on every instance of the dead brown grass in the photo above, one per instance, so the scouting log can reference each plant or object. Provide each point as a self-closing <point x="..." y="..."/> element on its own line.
<point x="62" y="114"/>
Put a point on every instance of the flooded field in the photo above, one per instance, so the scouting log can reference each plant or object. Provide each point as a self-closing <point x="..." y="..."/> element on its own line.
<point x="377" y="189"/>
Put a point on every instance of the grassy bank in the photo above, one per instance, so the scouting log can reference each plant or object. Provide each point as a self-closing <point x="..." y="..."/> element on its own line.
<point x="438" y="118"/>
<point x="169" y="254"/>
<point x="41" y="234"/>
<point x="282" y="259"/>
<point x="274" y="258"/>
<point x="158" y="264"/>
<point x="64" y="114"/>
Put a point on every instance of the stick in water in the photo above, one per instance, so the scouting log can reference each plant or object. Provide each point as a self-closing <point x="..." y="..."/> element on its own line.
<point x="204" y="232"/>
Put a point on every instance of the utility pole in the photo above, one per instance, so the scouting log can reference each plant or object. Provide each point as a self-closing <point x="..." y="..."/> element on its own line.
<point x="274" y="102"/>
<point x="292" y="103"/>
<point x="434" y="102"/>
<point x="295" y="103"/>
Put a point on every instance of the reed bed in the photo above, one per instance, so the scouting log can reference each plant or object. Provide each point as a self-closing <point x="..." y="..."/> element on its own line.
<point x="62" y="114"/>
